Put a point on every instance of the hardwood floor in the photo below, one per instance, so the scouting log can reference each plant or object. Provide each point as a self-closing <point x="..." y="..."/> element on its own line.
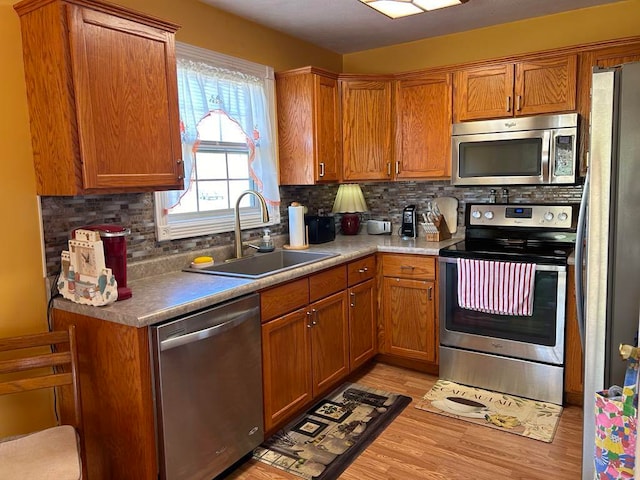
<point x="423" y="445"/>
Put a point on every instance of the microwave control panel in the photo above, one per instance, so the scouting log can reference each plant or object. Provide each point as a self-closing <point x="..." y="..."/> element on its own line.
<point x="514" y="215"/>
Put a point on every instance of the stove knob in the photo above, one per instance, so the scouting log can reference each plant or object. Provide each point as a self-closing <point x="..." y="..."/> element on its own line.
<point x="562" y="216"/>
<point x="548" y="216"/>
<point x="488" y="215"/>
<point x="476" y="214"/>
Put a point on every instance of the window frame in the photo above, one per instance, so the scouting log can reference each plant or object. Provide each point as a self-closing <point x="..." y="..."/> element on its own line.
<point x="221" y="221"/>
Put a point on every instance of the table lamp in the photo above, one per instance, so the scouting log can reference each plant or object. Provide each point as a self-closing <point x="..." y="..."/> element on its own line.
<point x="350" y="202"/>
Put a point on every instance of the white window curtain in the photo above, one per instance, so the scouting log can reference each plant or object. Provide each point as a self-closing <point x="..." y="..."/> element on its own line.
<point x="203" y="88"/>
<point x="244" y="92"/>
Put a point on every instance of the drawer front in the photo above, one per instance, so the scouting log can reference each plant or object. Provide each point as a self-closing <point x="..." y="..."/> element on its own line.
<point x="409" y="266"/>
<point x="283" y="299"/>
<point x="325" y="283"/>
<point x="361" y="270"/>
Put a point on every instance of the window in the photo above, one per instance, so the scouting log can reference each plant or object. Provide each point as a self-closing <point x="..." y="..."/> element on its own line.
<point x="227" y="122"/>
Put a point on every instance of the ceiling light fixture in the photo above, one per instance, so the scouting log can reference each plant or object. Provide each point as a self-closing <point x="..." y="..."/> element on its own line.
<point x="404" y="8"/>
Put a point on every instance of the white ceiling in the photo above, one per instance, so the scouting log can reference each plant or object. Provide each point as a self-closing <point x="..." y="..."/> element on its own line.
<point x="346" y="26"/>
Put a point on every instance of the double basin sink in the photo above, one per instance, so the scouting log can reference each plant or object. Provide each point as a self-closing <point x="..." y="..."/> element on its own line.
<point x="263" y="264"/>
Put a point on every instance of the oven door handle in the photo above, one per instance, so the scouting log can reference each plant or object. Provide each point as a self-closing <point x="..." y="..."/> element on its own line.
<point x="541" y="268"/>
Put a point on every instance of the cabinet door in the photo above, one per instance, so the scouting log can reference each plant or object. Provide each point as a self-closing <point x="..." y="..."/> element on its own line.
<point x="286" y="366"/>
<point x="309" y="139"/>
<point x="483" y="92"/>
<point x="366" y="129"/>
<point x="362" y="324"/>
<point x="423" y="127"/>
<point x="329" y="341"/>
<point x="546" y="85"/>
<point x="409" y="318"/>
<point x="327" y="129"/>
<point x="127" y="102"/>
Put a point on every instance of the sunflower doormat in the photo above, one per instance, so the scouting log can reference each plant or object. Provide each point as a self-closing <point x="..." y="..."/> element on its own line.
<point x="529" y="418"/>
<point x="321" y="443"/>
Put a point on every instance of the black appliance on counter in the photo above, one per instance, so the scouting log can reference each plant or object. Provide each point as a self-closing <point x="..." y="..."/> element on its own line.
<point x="322" y="229"/>
<point x="520" y="355"/>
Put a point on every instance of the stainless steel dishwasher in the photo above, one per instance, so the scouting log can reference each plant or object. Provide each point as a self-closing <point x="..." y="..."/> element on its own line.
<point x="208" y="389"/>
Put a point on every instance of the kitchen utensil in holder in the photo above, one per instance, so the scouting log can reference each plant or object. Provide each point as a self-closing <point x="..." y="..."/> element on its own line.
<point x="436" y="229"/>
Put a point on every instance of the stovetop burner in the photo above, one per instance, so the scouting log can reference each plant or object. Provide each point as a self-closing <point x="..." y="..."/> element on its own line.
<point x="532" y="233"/>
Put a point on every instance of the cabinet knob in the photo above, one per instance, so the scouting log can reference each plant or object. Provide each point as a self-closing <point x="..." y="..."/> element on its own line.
<point x="179" y="161"/>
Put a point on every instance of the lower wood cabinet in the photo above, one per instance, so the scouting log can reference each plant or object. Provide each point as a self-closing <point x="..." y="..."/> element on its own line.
<point x="409" y="320"/>
<point x="331" y="332"/>
<point x="305" y="352"/>
<point x="114" y="369"/>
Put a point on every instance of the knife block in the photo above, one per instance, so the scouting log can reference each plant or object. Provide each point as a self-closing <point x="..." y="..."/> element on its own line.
<point x="441" y="230"/>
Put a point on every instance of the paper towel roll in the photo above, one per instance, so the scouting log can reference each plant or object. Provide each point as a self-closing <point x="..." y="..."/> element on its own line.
<point x="296" y="226"/>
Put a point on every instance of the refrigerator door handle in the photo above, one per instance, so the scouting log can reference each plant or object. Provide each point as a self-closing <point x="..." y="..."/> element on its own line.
<point x="579" y="258"/>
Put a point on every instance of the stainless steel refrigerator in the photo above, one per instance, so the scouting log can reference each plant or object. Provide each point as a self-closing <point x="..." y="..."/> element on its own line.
<point x="609" y="304"/>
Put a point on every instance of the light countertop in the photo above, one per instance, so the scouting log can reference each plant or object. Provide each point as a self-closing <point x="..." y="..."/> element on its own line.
<point x="173" y="294"/>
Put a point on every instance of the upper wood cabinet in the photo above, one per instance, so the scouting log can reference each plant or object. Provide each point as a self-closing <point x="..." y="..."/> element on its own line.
<point x="530" y="87"/>
<point x="423" y="126"/>
<point x="367" y="128"/>
<point x="102" y="92"/>
<point x="309" y="140"/>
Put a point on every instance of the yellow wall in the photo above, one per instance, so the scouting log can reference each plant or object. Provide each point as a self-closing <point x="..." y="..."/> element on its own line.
<point x="616" y="20"/>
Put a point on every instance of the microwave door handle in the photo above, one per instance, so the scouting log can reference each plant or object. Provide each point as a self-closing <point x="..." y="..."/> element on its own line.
<point x="547" y="155"/>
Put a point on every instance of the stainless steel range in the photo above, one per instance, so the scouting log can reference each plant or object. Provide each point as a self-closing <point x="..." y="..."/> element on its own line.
<point x="519" y="354"/>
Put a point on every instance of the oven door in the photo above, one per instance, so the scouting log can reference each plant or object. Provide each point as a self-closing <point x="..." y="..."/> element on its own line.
<point x="539" y="337"/>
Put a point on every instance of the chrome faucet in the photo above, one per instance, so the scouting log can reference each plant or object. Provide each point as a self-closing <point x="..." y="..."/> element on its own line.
<point x="237" y="231"/>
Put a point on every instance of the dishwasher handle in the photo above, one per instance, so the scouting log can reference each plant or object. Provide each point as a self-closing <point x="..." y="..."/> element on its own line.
<point x="212" y="331"/>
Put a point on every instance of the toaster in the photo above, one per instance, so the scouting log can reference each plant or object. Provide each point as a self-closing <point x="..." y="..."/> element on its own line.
<point x="378" y="227"/>
<point x="321" y="229"/>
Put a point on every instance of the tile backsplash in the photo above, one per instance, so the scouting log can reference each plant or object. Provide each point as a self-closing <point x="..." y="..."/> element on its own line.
<point x="60" y="215"/>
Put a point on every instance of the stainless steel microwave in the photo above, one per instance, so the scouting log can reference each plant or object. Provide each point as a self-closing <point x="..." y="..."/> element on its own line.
<point x="540" y="150"/>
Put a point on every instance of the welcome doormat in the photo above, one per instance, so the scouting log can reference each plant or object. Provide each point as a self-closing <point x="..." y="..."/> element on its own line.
<point x="529" y="418"/>
<point x="321" y="443"/>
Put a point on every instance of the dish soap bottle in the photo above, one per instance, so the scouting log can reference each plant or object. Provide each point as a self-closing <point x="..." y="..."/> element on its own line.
<point x="266" y="245"/>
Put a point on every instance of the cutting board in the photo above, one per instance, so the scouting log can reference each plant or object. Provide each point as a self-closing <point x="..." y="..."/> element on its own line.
<point x="449" y="208"/>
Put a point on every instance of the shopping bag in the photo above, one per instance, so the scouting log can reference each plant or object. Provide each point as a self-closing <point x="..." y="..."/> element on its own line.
<point x="615" y="419"/>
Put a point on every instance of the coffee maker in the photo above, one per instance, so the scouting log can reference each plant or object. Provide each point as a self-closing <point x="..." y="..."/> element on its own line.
<point x="115" y="253"/>
<point x="409" y="222"/>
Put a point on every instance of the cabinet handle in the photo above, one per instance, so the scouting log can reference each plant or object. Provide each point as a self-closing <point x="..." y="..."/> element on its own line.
<point x="518" y="100"/>
<point x="389" y="169"/>
<point x="407" y="267"/>
<point x="363" y="270"/>
<point x="429" y="293"/>
<point x="353" y="299"/>
<point x="314" y="320"/>
<point x="508" y="103"/>
<point x="322" y="169"/>
<point x="397" y="167"/>
<point x="309" y="325"/>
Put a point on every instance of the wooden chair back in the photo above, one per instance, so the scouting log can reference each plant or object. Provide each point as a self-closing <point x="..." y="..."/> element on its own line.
<point x="59" y="364"/>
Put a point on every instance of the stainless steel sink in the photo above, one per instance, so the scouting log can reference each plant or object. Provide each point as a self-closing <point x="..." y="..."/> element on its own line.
<point x="263" y="264"/>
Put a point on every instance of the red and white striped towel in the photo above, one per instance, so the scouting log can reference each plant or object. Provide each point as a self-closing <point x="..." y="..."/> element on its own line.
<point x="503" y="288"/>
